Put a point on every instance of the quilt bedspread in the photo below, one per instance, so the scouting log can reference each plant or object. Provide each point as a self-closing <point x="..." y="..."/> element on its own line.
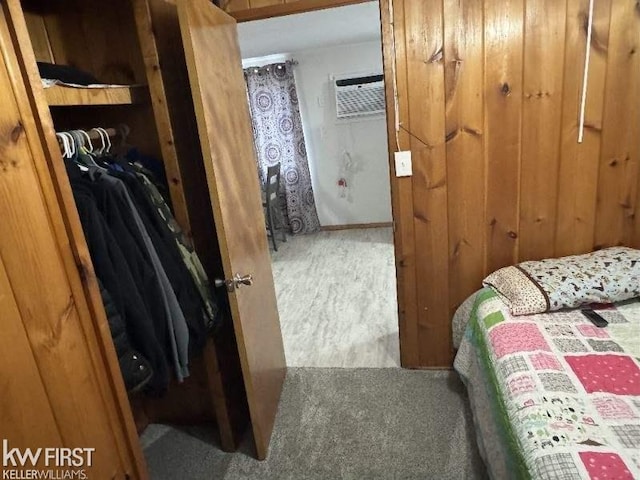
<point x="567" y="392"/>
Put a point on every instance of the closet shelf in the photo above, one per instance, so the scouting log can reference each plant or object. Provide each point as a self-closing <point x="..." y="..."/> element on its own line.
<point x="58" y="95"/>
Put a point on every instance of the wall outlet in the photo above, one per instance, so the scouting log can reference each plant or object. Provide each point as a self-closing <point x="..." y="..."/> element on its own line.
<point x="403" y="164"/>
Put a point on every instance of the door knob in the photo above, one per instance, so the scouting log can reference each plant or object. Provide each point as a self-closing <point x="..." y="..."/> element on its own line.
<point x="242" y="280"/>
<point x="236" y="282"/>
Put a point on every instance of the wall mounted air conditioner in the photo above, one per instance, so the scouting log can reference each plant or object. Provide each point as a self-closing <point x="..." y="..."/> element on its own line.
<point x="358" y="96"/>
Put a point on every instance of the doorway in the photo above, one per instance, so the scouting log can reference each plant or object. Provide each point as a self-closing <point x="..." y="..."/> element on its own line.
<point x="335" y="276"/>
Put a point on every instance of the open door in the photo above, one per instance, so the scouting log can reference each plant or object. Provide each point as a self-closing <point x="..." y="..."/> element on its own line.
<point x="224" y="126"/>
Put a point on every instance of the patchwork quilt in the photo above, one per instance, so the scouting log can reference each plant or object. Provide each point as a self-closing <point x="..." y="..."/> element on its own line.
<point x="564" y="393"/>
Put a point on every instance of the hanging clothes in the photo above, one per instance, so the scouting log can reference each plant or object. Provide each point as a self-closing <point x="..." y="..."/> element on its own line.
<point x="188" y="253"/>
<point x="115" y="274"/>
<point x="116" y="190"/>
<point x="165" y="245"/>
<point x="121" y="224"/>
<point x="152" y="281"/>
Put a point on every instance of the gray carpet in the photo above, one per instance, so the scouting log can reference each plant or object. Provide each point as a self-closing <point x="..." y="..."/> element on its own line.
<point x="337" y="301"/>
<point x="340" y="423"/>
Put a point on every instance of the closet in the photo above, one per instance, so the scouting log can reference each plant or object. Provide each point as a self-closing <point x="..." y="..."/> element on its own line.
<point x="183" y="100"/>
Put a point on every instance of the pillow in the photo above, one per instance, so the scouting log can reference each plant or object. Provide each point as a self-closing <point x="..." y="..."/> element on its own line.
<point x="605" y="276"/>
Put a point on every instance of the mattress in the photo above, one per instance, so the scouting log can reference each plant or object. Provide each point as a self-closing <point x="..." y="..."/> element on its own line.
<point x="553" y="396"/>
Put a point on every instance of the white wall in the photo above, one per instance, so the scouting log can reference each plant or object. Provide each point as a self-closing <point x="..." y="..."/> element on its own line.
<point x="303" y="31"/>
<point x="367" y="197"/>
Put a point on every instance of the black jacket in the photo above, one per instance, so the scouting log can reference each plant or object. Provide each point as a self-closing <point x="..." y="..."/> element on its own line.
<point x="115" y="274"/>
<point x="135" y="368"/>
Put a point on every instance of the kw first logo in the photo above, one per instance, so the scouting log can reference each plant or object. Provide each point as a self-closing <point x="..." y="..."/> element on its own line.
<point x="23" y="463"/>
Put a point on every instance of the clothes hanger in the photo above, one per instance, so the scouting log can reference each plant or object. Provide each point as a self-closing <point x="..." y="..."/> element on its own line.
<point x="64" y="144"/>
<point x="77" y="141"/>
<point x="88" y="138"/>
<point x="91" y="155"/>
<point x="105" y="139"/>
<point x="98" y="150"/>
<point x="85" y="153"/>
<point x="80" y="155"/>
<point x="66" y="153"/>
<point x="104" y="156"/>
<point x="69" y="153"/>
<point x="71" y="144"/>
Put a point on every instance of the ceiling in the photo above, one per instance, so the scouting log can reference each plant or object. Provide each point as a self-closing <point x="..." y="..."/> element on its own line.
<point x="322" y="28"/>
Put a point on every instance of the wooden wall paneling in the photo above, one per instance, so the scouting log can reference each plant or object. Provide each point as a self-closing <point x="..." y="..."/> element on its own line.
<point x="464" y="81"/>
<point x="68" y="46"/>
<point x="544" y="27"/>
<point x="503" y="58"/>
<point x="404" y="227"/>
<point x="26" y="418"/>
<point x="514" y="171"/>
<point x="633" y="40"/>
<point x="118" y="58"/>
<point x="394" y="49"/>
<point x="425" y="70"/>
<point x="233" y="6"/>
<point x="39" y="37"/>
<point x="73" y="248"/>
<point x="620" y="148"/>
<point x="578" y="173"/>
<point x="177" y="124"/>
<point x="101" y="40"/>
<point x="41" y="286"/>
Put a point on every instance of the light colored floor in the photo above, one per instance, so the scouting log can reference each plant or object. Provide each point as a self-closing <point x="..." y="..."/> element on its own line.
<point x="336" y="295"/>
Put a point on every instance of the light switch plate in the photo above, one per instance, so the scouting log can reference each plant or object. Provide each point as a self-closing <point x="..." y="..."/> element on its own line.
<point x="403" y="164"/>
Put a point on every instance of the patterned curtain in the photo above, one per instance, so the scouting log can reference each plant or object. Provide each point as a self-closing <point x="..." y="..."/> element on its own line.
<point x="278" y="137"/>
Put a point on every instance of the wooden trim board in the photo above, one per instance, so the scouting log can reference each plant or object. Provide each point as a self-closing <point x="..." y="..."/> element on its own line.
<point x="281" y="9"/>
<point x="69" y="96"/>
<point x="352" y="226"/>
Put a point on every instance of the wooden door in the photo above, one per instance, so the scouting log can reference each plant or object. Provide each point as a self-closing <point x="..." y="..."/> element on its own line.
<point x="224" y="126"/>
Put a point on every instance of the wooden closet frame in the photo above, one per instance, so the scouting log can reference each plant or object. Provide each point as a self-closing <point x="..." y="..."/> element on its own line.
<point x="225" y="396"/>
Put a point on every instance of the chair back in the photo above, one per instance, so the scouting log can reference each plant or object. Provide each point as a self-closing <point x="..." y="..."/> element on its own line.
<point x="272" y="188"/>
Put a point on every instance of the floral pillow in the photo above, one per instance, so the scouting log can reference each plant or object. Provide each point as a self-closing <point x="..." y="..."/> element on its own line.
<point x="605" y="276"/>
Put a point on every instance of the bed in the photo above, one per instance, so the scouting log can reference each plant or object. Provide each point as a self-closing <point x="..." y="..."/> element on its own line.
<point x="553" y="396"/>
